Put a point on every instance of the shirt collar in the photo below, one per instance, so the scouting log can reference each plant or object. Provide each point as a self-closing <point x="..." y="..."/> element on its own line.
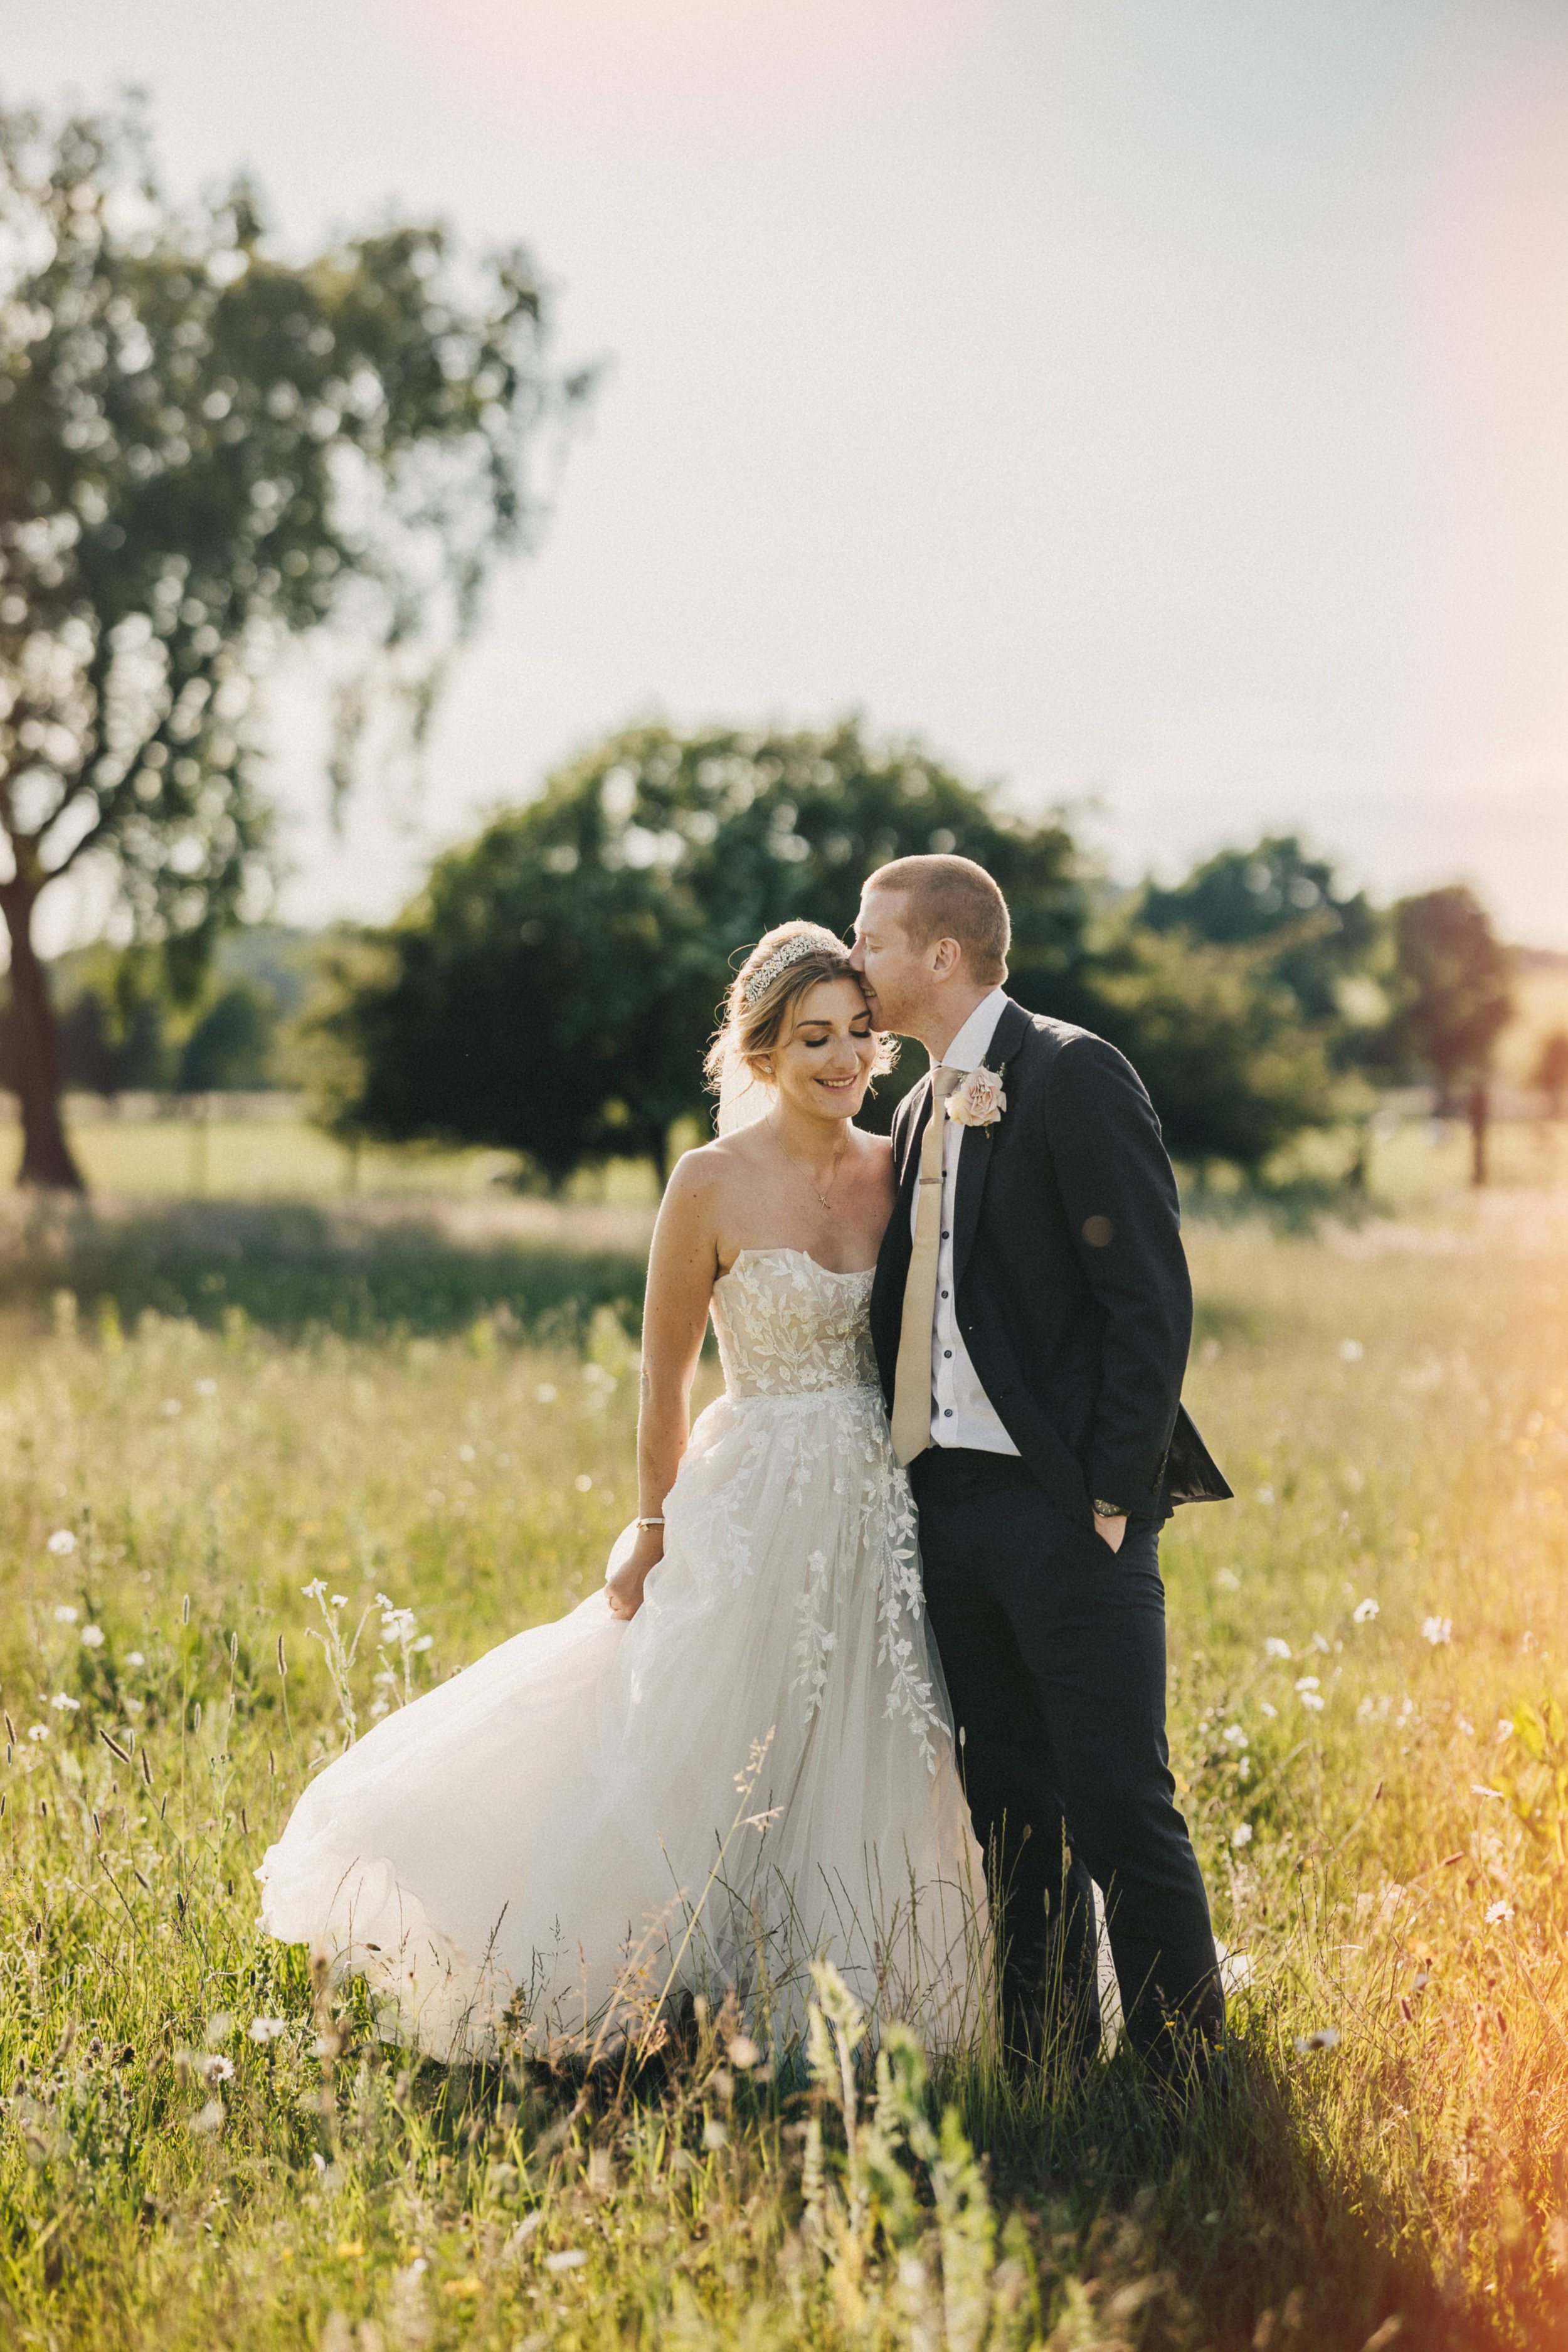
<point x="972" y="1043"/>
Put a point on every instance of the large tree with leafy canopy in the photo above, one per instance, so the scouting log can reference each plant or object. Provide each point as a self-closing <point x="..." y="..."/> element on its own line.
<point x="1453" y="997"/>
<point x="1286" y="906"/>
<point x="551" y="989"/>
<point x="203" y="446"/>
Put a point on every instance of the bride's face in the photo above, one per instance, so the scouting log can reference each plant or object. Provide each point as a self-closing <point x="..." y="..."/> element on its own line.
<point x="822" y="1064"/>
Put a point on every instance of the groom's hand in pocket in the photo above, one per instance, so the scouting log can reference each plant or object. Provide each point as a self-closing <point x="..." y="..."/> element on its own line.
<point x="1111" y="1531"/>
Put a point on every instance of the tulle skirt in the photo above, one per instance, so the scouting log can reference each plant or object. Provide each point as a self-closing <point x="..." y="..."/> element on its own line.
<point x="598" y="1816"/>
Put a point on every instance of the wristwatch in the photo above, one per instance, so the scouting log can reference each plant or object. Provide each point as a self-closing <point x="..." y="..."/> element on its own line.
<point x="1108" y="1510"/>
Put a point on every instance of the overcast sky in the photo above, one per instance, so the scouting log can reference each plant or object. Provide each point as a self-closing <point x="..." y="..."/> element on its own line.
<point x="1156" y="404"/>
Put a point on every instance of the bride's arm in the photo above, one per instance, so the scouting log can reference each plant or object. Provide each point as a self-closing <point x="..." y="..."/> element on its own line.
<point x="682" y="1265"/>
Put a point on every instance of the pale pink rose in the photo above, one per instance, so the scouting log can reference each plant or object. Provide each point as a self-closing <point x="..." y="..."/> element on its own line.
<point x="979" y="1101"/>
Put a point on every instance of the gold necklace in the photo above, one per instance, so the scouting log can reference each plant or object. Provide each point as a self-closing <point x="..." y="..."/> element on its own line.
<point x="805" y="1174"/>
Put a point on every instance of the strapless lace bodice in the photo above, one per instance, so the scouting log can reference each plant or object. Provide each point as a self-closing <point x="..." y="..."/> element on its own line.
<point x="789" y="1327"/>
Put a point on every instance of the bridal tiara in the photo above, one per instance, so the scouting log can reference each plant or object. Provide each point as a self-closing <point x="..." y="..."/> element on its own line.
<point x="805" y="943"/>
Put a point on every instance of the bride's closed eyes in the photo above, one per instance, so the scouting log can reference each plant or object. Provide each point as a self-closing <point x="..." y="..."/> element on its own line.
<point x="817" y="1035"/>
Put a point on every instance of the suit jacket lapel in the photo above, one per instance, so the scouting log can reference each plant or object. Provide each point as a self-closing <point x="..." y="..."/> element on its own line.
<point x="974" y="1153"/>
<point x="920" y="1114"/>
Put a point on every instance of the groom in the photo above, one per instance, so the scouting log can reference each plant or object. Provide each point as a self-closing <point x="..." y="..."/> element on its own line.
<point x="1031" y="1315"/>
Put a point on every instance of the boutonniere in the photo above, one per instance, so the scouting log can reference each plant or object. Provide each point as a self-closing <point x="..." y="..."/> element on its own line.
<point x="979" y="1101"/>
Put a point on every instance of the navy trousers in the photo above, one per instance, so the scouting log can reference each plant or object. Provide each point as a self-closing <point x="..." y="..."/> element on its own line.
<point x="1054" y="1651"/>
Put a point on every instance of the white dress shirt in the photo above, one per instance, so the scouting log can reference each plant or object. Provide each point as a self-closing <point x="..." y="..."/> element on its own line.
<point x="962" y="1414"/>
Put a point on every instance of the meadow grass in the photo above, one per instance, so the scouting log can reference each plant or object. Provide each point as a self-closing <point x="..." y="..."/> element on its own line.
<point x="198" y="2146"/>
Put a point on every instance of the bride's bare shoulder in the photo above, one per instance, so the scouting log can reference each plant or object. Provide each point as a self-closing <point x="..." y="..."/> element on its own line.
<point x="705" y="1174"/>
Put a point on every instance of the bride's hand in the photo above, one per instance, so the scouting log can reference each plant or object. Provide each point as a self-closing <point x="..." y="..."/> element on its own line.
<point x="624" y="1588"/>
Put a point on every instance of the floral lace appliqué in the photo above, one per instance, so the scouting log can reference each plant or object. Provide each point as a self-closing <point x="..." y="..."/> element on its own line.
<point x="794" y="1341"/>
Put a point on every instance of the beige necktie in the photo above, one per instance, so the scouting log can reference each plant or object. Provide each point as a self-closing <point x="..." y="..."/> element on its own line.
<point x="912" y="1376"/>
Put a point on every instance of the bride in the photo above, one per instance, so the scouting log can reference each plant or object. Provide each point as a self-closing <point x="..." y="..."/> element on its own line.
<point x="735" y="1757"/>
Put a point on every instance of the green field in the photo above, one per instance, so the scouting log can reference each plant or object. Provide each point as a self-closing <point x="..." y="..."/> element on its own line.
<point x="274" y="1155"/>
<point x="219" y="1405"/>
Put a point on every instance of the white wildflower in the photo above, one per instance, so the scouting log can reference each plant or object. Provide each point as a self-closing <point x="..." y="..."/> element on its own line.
<point x="220" y="2025"/>
<point x="1242" y="1833"/>
<point x="208" y="2118"/>
<point x="1504" y="1727"/>
<point x="570" y="2257"/>
<point x="63" y="1704"/>
<point x="1327" y="2037"/>
<point x="1498" y="1912"/>
<point x="207" y="1388"/>
<point x="1264" y="1708"/>
<point x="267" y="2029"/>
<point x="1233" y="1735"/>
<point x="134" y="1658"/>
<point x="216" y="2069"/>
<point x="426" y="1642"/>
<point x="1307" y="1683"/>
<point x="1235" y="1967"/>
<point x="92" y="1637"/>
<point x="61" y="1542"/>
<point x="339" y="1600"/>
<point x="38" y="1731"/>
<point x="1274" y="1648"/>
<point x="1365" y="1611"/>
<point x="1436" y="1630"/>
<point x="66" y="1614"/>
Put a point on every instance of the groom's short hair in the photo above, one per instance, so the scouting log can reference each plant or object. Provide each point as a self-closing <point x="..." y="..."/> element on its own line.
<point x="951" y="898"/>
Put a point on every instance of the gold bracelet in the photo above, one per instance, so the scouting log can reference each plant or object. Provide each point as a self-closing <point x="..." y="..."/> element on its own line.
<point x="650" y="1523"/>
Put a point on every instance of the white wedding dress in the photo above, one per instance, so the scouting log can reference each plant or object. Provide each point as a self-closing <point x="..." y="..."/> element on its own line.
<point x="756" y="1769"/>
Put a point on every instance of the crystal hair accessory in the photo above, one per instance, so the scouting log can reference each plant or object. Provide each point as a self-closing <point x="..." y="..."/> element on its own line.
<point x="804" y="944"/>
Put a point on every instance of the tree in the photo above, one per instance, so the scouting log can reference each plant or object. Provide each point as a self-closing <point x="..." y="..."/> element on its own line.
<point x="1218" y="1039"/>
<point x="552" y="987"/>
<point x="230" y="1046"/>
<point x="1454" y="996"/>
<point x="203" y="447"/>
<point x="1320" y="940"/>
<point x="1549" y="1076"/>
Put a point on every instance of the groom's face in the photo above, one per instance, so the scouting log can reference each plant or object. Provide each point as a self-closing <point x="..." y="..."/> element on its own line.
<point x="897" y="974"/>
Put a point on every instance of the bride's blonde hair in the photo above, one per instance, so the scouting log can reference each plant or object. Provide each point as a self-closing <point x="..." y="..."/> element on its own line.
<point x="785" y="963"/>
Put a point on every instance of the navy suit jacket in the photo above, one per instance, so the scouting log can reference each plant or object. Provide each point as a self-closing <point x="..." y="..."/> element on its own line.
<point x="1073" y="1298"/>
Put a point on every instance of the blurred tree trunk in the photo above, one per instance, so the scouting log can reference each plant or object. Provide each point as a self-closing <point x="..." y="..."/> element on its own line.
<point x="1479" y="1111"/>
<point x="46" y="1155"/>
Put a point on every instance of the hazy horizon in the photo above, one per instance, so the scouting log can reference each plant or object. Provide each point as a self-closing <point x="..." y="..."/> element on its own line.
<point x="1161" y="414"/>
